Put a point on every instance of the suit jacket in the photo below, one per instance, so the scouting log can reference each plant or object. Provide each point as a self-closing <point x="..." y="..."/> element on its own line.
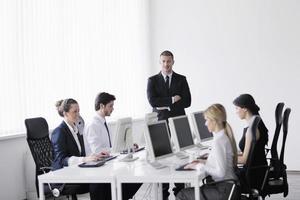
<point x="64" y="146"/>
<point x="160" y="96"/>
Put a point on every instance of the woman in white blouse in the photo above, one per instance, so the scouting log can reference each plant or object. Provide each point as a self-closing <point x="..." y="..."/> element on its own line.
<point x="221" y="160"/>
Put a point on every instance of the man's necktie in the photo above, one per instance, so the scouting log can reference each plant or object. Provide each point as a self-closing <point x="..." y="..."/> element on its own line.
<point x="167" y="82"/>
<point x="107" y="133"/>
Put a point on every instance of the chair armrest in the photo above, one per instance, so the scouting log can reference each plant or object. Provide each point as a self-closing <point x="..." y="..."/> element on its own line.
<point x="46" y="169"/>
<point x="222" y="181"/>
<point x="260" y="167"/>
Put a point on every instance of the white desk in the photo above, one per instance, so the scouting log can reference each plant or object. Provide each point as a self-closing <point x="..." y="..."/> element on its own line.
<point x="141" y="172"/>
<point x="76" y="174"/>
<point x="116" y="173"/>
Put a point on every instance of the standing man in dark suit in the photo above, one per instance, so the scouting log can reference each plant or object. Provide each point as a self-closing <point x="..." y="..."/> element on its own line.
<point x="168" y="92"/>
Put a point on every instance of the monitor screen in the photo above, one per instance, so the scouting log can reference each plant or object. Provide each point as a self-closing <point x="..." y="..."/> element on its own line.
<point x="181" y="132"/>
<point x="200" y="129"/>
<point x="123" y="135"/>
<point x="160" y="141"/>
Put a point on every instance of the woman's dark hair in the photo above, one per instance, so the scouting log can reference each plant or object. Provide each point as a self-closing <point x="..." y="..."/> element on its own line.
<point x="103" y="98"/>
<point x="64" y="105"/>
<point x="247" y="101"/>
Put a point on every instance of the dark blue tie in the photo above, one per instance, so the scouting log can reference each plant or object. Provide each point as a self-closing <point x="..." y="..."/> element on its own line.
<point x="107" y="133"/>
<point x="167" y="82"/>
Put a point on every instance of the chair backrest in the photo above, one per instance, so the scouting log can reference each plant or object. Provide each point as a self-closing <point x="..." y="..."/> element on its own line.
<point x="286" y="116"/>
<point x="39" y="142"/>
<point x="248" y="173"/>
<point x="277" y="180"/>
<point x="278" y="121"/>
<point x="80" y="125"/>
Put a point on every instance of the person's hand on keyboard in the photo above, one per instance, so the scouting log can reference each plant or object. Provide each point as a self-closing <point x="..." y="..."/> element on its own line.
<point x="194" y="164"/>
<point x="91" y="158"/>
<point x="102" y="155"/>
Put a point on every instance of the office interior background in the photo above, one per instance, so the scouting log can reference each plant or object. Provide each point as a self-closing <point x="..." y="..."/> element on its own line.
<point x="56" y="49"/>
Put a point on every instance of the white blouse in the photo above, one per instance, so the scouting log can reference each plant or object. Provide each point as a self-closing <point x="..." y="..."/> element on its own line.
<point x="219" y="162"/>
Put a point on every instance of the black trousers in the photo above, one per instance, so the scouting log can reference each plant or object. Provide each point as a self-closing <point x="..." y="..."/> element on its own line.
<point x="176" y="189"/>
<point x="103" y="191"/>
<point x="100" y="191"/>
<point x="129" y="189"/>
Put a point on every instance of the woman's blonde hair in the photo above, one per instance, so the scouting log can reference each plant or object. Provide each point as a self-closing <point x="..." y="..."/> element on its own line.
<point x="217" y="113"/>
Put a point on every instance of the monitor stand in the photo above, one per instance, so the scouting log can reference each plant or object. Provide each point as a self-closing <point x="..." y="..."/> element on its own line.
<point x="129" y="158"/>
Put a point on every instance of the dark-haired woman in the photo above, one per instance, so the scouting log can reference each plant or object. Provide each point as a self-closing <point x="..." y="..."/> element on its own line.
<point x="246" y="108"/>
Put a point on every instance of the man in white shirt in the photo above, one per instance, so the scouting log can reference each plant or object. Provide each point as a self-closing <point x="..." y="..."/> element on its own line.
<point x="97" y="137"/>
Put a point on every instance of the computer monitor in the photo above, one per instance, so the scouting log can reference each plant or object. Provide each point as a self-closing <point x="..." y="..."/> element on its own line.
<point x="181" y="133"/>
<point x="201" y="132"/>
<point x="158" y="140"/>
<point x="122" y="139"/>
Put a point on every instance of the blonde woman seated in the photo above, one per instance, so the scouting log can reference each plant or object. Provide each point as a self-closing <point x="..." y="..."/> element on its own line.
<point x="221" y="160"/>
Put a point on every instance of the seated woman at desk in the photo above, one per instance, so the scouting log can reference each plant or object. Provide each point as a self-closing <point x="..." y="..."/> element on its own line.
<point x="246" y="108"/>
<point x="68" y="146"/>
<point x="221" y="160"/>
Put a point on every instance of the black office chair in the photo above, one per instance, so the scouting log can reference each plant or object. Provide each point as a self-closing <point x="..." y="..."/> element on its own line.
<point x="274" y="162"/>
<point x="234" y="193"/>
<point x="277" y="180"/>
<point x="278" y="121"/>
<point x="249" y="173"/>
<point x="41" y="150"/>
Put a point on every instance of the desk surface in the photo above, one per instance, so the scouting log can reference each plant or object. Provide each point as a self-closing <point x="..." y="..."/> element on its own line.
<point x="115" y="170"/>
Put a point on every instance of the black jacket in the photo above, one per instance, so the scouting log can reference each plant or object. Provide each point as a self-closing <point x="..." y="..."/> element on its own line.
<point x="64" y="146"/>
<point x="160" y="96"/>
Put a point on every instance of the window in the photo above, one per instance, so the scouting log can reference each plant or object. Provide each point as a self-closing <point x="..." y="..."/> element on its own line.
<point x="55" y="49"/>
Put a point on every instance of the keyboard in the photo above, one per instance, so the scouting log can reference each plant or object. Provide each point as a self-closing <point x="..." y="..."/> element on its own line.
<point x="181" y="155"/>
<point x="203" y="147"/>
<point x="157" y="165"/>
<point x="181" y="168"/>
<point x="203" y="157"/>
<point x="92" y="164"/>
<point x="108" y="158"/>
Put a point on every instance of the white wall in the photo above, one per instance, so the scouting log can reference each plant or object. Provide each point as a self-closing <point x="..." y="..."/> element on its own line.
<point x="226" y="48"/>
<point x="12" y="168"/>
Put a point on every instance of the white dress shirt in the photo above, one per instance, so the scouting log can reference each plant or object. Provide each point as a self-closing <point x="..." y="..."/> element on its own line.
<point x="74" y="160"/>
<point x="95" y="136"/>
<point x="219" y="162"/>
